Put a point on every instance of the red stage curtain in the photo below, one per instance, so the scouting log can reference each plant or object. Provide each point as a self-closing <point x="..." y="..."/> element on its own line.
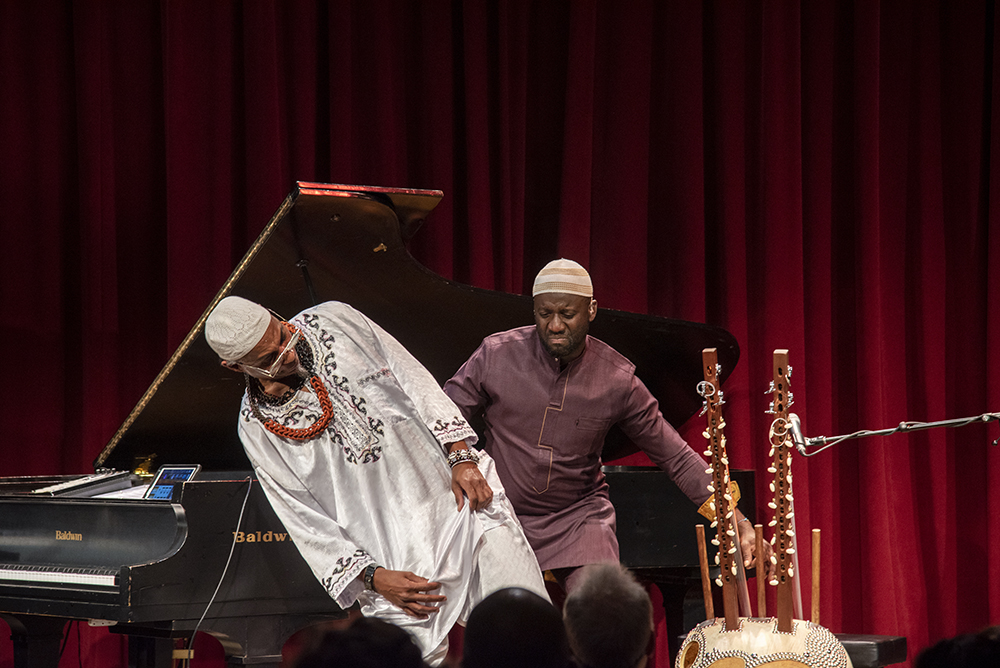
<point x="814" y="176"/>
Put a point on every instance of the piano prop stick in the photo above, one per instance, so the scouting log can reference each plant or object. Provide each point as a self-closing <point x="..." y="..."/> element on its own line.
<point x="780" y="641"/>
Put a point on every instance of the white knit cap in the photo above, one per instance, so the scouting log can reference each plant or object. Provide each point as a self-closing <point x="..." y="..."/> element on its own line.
<point x="563" y="276"/>
<point x="235" y="326"/>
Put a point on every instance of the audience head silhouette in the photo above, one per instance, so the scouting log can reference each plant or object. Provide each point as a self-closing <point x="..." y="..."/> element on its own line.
<point x="609" y="619"/>
<point x="366" y="643"/>
<point x="968" y="650"/>
<point x="515" y="627"/>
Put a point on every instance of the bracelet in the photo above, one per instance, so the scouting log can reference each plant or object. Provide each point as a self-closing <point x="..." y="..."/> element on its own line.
<point x="465" y="455"/>
<point x="745" y="519"/>
<point x="369" y="576"/>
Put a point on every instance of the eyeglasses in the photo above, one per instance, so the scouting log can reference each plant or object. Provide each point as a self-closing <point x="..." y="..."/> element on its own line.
<point x="273" y="369"/>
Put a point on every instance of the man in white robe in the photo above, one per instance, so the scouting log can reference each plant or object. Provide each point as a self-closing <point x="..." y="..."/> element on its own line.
<point x="351" y="439"/>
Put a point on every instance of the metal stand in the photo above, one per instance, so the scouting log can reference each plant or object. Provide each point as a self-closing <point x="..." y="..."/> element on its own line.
<point x="802" y="443"/>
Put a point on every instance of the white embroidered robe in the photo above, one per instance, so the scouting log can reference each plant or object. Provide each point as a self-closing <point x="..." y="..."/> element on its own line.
<point x="375" y="486"/>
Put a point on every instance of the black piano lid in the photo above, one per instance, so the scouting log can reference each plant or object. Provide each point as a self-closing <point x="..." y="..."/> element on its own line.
<point x="346" y="243"/>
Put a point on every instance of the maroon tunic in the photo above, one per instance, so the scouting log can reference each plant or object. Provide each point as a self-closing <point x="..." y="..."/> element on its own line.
<point x="545" y="429"/>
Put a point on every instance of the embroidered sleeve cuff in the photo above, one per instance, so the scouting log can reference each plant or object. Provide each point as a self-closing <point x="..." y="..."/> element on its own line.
<point x="343" y="584"/>
<point x="706" y="509"/>
<point x="350" y="594"/>
<point x="452" y="431"/>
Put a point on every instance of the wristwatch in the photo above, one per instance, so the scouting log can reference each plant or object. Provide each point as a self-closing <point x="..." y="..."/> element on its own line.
<point x="369" y="576"/>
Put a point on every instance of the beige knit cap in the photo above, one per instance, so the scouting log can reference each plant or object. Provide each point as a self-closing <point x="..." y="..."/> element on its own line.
<point x="235" y="326"/>
<point x="563" y="276"/>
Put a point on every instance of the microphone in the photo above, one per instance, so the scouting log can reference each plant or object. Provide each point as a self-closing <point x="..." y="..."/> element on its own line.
<point x="797" y="437"/>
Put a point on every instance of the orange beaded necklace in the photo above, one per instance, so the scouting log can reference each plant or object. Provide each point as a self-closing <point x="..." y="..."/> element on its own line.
<point x="318" y="386"/>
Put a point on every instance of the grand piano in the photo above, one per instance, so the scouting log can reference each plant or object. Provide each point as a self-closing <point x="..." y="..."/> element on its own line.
<point x="212" y="556"/>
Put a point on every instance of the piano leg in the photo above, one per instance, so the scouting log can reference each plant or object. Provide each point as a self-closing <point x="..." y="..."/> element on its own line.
<point x="254" y="640"/>
<point x="37" y="640"/>
<point x="150" y="652"/>
<point x="674" y="598"/>
<point x="257" y="640"/>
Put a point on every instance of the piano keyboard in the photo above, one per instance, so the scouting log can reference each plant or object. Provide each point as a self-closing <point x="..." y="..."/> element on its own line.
<point x="101" y="577"/>
<point x="93" y="483"/>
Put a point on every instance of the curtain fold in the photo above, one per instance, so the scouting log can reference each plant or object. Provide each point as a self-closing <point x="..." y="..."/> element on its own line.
<point x="816" y="176"/>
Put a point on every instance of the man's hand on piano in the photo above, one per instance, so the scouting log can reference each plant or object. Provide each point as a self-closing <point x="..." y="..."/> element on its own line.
<point x="467" y="480"/>
<point x="408" y="591"/>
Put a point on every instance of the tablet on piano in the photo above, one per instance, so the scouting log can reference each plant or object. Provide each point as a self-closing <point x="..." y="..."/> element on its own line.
<point x="166" y="486"/>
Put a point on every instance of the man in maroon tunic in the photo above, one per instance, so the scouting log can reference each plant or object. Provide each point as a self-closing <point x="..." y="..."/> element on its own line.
<point x="549" y="395"/>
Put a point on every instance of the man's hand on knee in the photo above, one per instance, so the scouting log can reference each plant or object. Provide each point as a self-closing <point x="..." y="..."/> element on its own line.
<point x="467" y="480"/>
<point x="408" y="591"/>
